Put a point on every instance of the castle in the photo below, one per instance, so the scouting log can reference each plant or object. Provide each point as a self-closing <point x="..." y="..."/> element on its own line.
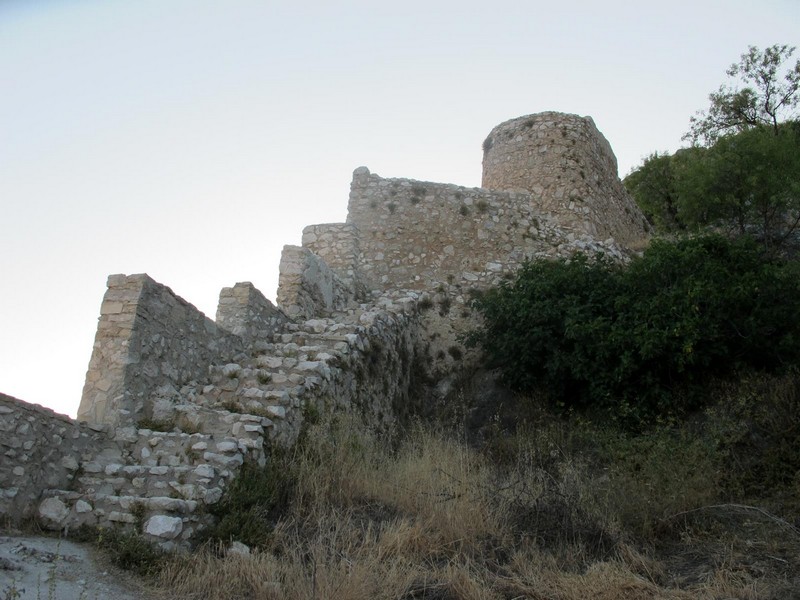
<point x="367" y="311"/>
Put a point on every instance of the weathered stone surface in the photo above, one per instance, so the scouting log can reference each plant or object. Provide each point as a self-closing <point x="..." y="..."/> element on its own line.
<point x="278" y="412"/>
<point x="152" y="340"/>
<point x="364" y="306"/>
<point x="569" y="168"/>
<point x="238" y="548"/>
<point x="246" y="313"/>
<point x="164" y="527"/>
<point x="206" y="471"/>
<point x="53" y="511"/>
<point x="116" y="516"/>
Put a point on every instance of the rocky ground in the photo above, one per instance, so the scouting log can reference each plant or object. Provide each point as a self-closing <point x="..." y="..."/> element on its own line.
<point x="38" y="568"/>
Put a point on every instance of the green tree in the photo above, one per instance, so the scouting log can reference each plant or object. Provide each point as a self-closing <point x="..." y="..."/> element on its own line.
<point x="745" y="183"/>
<point x="656" y="187"/>
<point x="742" y="175"/>
<point x="763" y="92"/>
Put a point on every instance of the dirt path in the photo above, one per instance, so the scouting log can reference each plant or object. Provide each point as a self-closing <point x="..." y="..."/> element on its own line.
<point x="44" y="568"/>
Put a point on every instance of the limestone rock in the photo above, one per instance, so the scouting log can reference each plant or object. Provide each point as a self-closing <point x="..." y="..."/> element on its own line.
<point x="53" y="511"/>
<point x="164" y="527"/>
<point x="239" y="549"/>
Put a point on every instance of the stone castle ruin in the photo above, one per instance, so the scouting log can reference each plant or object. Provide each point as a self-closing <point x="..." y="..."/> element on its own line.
<point x="369" y="312"/>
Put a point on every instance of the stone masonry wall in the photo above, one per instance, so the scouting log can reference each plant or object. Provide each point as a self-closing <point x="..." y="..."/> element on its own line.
<point x="247" y="314"/>
<point x="339" y="245"/>
<point x="357" y="360"/>
<point x="420" y="235"/>
<point x="66" y="474"/>
<point x="159" y="483"/>
<point x="308" y="287"/>
<point x="367" y="310"/>
<point x="40" y="450"/>
<point x="148" y="341"/>
<point x="569" y="168"/>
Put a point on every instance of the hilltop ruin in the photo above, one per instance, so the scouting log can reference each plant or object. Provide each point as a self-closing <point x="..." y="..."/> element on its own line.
<point x="367" y="312"/>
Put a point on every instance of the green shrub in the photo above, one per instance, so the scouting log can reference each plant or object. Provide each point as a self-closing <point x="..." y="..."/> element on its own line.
<point x="643" y="341"/>
<point x="253" y="502"/>
<point x="131" y="551"/>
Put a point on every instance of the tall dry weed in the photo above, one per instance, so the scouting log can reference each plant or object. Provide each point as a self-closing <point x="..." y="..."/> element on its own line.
<point x="433" y="518"/>
<point x="444" y="487"/>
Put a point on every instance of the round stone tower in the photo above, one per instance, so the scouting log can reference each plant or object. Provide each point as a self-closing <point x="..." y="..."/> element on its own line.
<point x="570" y="170"/>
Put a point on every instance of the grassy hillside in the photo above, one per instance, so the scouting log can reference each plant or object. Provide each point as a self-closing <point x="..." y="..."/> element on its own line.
<point x="541" y="507"/>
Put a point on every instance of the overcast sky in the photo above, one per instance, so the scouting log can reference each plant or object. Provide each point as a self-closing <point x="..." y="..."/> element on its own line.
<point x="192" y="139"/>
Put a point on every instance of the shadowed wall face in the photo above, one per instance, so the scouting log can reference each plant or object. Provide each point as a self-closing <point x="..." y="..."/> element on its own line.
<point x="148" y="339"/>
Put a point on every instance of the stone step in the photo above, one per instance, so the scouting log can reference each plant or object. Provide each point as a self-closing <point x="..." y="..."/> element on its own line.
<point x="165" y="520"/>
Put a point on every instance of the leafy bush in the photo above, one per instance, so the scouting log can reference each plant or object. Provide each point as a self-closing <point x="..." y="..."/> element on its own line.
<point x="131" y="551"/>
<point x="253" y="502"/>
<point x="645" y="340"/>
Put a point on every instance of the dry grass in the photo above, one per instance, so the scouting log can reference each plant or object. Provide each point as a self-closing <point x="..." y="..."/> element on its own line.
<point x="434" y="519"/>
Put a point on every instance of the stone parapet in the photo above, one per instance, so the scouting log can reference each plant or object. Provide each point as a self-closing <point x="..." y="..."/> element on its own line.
<point x="339" y="245"/>
<point x="247" y="314"/>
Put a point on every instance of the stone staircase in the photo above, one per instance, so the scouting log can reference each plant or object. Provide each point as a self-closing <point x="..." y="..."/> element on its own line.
<point x="158" y="482"/>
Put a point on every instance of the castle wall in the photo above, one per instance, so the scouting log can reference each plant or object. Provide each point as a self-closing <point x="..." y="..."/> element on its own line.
<point x="247" y="314"/>
<point x="339" y="245"/>
<point x="41" y="450"/>
<point x="158" y="483"/>
<point x="570" y="170"/>
<point x="367" y="311"/>
<point x="360" y="361"/>
<point x="421" y="235"/>
<point x="65" y="474"/>
<point x="148" y="340"/>
<point x="308" y="287"/>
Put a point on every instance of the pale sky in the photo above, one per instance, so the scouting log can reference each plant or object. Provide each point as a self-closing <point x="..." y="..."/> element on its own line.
<point x="192" y="139"/>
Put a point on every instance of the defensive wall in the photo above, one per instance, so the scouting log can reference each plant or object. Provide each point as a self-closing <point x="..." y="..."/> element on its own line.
<point x="368" y="313"/>
<point x="570" y="170"/>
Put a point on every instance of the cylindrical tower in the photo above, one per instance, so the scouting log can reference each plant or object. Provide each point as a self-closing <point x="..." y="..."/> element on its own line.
<point x="569" y="168"/>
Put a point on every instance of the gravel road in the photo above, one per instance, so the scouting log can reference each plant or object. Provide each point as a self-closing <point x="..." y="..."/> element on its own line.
<point x="45" y="568"/>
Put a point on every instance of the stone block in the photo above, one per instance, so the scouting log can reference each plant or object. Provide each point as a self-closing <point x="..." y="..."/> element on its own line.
<point x="53" y="512"/>
<point x="165" y="527"/>
<point x="278" y="412"/>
